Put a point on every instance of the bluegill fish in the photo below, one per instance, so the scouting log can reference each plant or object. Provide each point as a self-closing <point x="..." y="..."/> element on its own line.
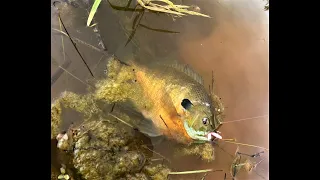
<point x="173" y="101"/>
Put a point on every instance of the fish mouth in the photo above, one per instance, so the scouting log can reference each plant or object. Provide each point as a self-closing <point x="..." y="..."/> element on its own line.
<point x="197" y="135"/>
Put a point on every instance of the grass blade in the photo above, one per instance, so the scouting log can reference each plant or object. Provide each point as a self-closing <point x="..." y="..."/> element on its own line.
<point x="93" y="11"/>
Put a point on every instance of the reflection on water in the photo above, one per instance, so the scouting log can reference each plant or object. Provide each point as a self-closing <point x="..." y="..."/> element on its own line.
<point x="233" y="44"/>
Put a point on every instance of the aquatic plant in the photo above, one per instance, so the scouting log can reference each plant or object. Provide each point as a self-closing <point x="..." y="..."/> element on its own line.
<point x="106" y="149"/>
<point x="153" y="5"/>
<point x="170" y="8"/>
<point x="93" y="11"/>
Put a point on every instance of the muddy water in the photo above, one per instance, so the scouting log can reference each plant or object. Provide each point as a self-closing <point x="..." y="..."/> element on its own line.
<point x="237" y="52"/>
<point x="233" y="44"/>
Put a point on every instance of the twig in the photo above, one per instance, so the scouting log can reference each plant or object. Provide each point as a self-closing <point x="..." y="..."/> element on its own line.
<point x="144" y="146"/>
<point x="164" y="121"/>
<point x="74" y="44"/>
<point x="193" y="172"/>
<point x="62" y="42"/>
<point x="72" y="74"/>
<point x="121" y="120"/>
<point x="82" y="42"/>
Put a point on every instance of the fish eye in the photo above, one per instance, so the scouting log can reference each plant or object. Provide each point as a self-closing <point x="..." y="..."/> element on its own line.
<point x="186" y="104"/>
<point x="205" y="121"/>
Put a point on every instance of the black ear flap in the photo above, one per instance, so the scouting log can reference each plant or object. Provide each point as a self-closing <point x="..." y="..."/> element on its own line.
<point x="186" y="104"/>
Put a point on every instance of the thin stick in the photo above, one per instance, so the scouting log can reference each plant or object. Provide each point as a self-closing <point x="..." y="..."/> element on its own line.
<point x="164" y="121"/>
<point x="159" y="159"/>
<point x="98" y="63"/>
<point x="212" y="82"/>
<point x="72" y="75"/>
<point x="194" y="172"/>
<point x="82" y="42"/>
<point x="204" y="176"/>
<point x="121" y="120"/>
<point x="242" y="144"/>
<point x="256" y="117"/>
<point x="144" y="146"/>
<point x="74" y="44"/>
<point x="62" y="42"/>
<point x="60" y="32"/>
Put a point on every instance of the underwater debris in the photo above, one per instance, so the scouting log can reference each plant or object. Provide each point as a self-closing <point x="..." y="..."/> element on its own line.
<point x="205" y="151"/>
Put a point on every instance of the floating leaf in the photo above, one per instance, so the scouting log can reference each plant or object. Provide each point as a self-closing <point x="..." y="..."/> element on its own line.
<point x="93" y="11"/>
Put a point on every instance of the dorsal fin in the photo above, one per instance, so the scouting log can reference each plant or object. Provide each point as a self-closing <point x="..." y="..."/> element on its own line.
<point x="186" y="69"/>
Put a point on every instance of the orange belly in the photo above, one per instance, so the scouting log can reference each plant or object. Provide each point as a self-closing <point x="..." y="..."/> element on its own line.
<point x="163" y="112"/>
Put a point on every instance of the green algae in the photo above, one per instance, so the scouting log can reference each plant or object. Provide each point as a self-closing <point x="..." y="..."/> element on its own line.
<point x="205" y="151"/>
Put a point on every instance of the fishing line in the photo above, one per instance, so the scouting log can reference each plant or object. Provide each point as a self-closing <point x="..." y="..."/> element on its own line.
<point x="256" y="117"/>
